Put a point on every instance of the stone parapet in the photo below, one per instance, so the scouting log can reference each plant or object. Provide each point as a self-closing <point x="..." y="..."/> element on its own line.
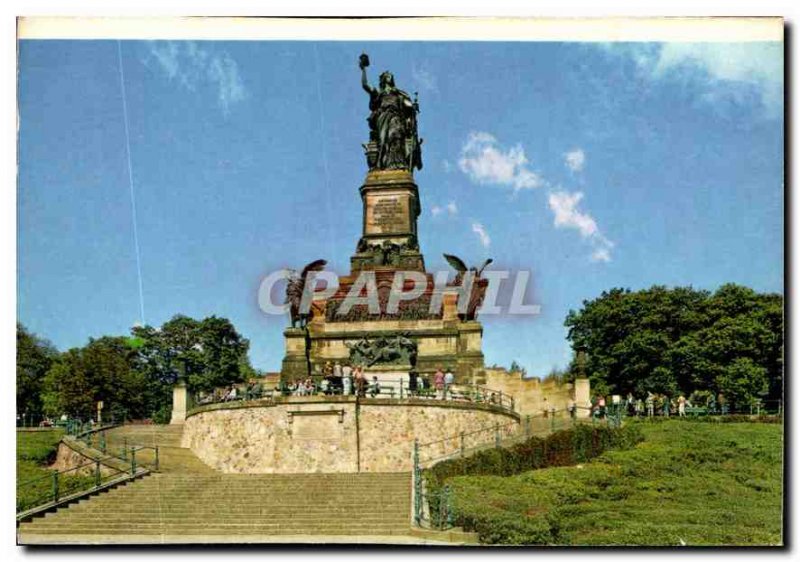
<point x="535" y="397"/>
<point x="328" y="433"/>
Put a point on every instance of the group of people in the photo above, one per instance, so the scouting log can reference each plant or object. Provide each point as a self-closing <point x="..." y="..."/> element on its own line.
<point x="344" y="379"/>
<point x="250" y="391"/>
<point x="334" y="379"/>
<point x="654" y="405"/>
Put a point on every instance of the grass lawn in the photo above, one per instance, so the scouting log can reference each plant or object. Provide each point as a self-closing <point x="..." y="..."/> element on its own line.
<point x="687" y="483"/>
<point x="35" y="449"/>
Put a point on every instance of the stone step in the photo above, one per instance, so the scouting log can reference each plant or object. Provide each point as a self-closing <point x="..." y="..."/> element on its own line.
<point x="231" y="508"/>
<point x="283" y="482"/>
<point x="266" y="490"/>
<point x="276" y="509"/>
<point x="258" y="525"/>
<point x="276" y="483"/>
<point x="361" y="511"/>
<point x="285" y="520"/>
<point x="330" y="497"/>
<point x="256" y="495"/>
<point x="110" y="520"/>
<point x="228" y="531"/>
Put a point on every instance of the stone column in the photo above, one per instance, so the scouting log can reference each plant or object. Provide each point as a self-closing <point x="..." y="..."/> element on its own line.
<point x="178" y="404"/>
<point x="470" y="356"/>
<point x="294" y="362"/>
<point x="583" y="397"/>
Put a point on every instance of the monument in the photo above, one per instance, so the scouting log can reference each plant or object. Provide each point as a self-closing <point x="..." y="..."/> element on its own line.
<point x="390" y="317"/>
<point x="384" y="342"/>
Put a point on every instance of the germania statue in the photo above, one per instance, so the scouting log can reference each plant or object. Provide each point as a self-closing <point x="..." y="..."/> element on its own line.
<point x="394" y="143"/>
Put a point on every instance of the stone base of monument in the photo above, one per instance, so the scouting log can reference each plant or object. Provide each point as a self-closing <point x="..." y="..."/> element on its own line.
<point x="331" y="434"/>
<point x="440" y="344"/>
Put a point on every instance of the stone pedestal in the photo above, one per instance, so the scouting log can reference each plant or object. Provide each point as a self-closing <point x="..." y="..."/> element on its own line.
<point x="294" y="364"/>
<point x="389" y="227"/>
<point x="179" y="401"/>
<point x="583" y="396"/>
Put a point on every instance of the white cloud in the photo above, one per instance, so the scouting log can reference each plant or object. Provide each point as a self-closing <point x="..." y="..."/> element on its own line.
<point x="722" y="70"/>
<point x="451" y="208"/>
<point x="575" y="159"/>
<point x="485" y="161"/>
<point x="483" y="236"/>
<point x="567" y="215"/>
<point x="191" y="65"/>
<point x="564" y="206"/>
<point x="424" y="79"/>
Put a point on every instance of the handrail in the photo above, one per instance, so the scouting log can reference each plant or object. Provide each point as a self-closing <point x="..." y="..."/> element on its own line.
<point x="100" y="483"/>
<point x="55" y="496"/>
<point x="371" y="388"/>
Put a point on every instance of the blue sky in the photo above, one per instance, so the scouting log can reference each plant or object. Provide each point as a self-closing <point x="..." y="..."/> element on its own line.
<point x="593" y="165"/>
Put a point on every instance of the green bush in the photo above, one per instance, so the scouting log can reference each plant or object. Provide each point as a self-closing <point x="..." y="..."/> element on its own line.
<point x="562" y="448"/>
<point x="163" y="415"/>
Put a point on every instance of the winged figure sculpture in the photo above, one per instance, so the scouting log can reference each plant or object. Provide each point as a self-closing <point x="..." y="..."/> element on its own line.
<point x="294" y="291"/>
<point x="479" y="284"/>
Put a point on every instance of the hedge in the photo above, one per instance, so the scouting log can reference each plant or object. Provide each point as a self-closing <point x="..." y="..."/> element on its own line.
<point x="562" y="448"/>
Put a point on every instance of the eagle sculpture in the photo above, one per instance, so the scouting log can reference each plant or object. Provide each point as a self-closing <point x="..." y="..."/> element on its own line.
<point x="479" y="284"/>
<point x="295" y="288"/>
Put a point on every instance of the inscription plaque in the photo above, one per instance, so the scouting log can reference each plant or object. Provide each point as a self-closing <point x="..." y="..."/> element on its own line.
<point x="387" y="214"/>
<point x="317" y="428"/>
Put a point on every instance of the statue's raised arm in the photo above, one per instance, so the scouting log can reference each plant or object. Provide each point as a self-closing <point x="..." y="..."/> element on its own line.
<point x="363" y="63"/>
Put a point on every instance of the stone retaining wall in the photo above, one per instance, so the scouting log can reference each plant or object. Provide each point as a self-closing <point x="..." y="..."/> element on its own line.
<point x="329" y="434"/>
<point x="73" y="453"/>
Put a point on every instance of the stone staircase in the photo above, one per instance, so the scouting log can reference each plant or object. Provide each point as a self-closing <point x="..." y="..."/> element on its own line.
<point x="248" y="508"/>
<point x="172" y="457"/>
<point x="189" y="502"/>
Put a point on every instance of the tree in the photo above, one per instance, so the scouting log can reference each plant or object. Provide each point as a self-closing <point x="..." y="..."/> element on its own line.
<point x="680" y="340"/>
<point x="207" y="354"/>
<point x="742" y="381"/>
<point x="133" y="376"/>
<point x="34" y="358"/>
<point x="104" y="370"/>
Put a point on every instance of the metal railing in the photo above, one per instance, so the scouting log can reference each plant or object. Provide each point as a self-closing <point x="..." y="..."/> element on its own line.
<point x="51" y="489"/>
<point x="218" y="396"/>
<point x="399" y="388"/>
<point x="61" y="485"/>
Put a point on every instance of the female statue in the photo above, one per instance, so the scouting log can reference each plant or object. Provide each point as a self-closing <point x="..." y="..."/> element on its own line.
<point x="392" y="123"/>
